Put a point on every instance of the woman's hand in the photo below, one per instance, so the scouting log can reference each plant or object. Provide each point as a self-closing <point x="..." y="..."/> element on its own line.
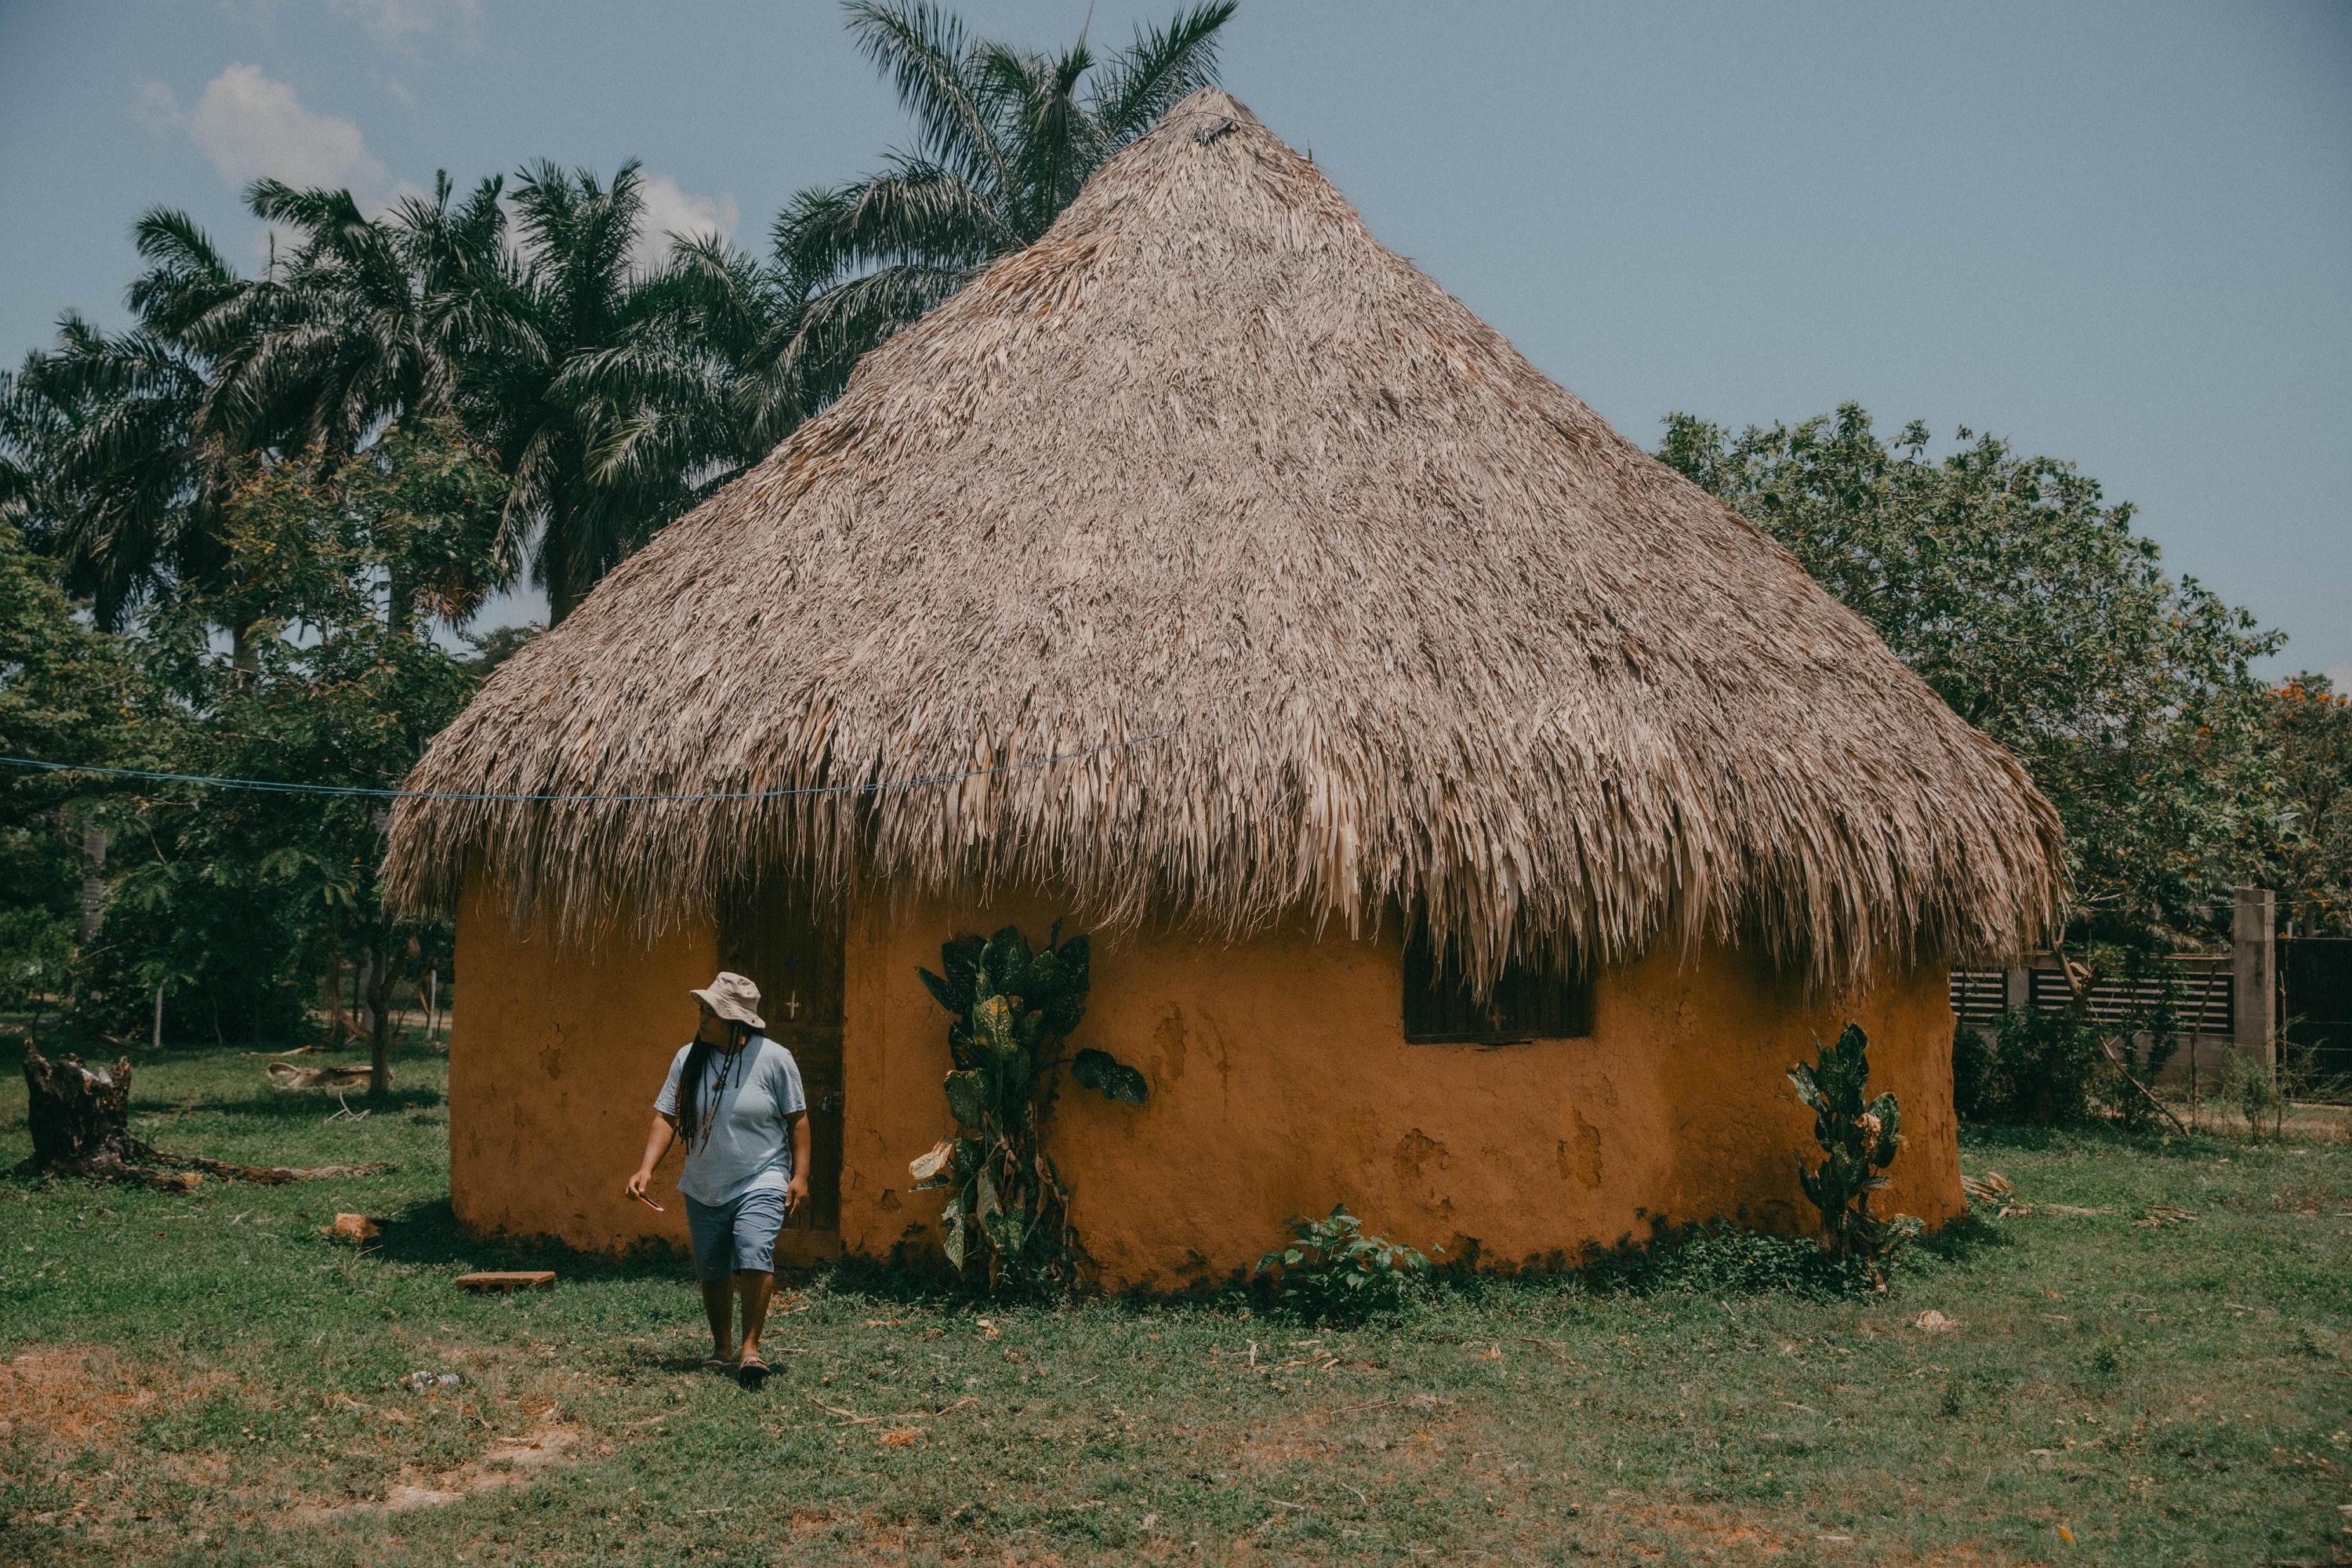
<point x="795" y="1192"/>
<point x="658" y="1138"/>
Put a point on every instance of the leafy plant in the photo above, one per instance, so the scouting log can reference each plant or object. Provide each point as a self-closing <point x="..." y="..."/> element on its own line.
<point x="1010" y="1010"/>
<point x="1333" y="1271"/>
<point x="2251" y="1088"/>
<point x="1860" y="1140"/>
<point x="2067" y="1066"/>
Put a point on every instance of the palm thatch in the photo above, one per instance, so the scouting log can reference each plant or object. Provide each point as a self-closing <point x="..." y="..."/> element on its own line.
<point x="1408" y="626"/>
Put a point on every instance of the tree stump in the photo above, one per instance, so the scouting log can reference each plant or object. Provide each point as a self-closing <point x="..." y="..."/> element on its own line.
<point x="81" y="1122"/>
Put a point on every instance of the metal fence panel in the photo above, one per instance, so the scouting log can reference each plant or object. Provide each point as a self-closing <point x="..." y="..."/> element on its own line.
<point x="2204" y="990"/>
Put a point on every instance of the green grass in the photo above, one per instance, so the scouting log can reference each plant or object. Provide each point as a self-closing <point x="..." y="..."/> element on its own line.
<point x="188" y="1373"/>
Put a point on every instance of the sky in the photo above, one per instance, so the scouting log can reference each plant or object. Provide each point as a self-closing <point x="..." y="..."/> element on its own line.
<point x="2115" y="233"/>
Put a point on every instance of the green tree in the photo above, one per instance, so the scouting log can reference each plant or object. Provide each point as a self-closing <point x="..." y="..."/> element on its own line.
<point x="1004" y="138"/>
<point x="64" y="696"/>
<point x="365" y="319"/>
<point x="2311" y="864"/>
<point x="240" y="901"/>
<point x="2029" y="605"/>
<point x="557" y="389"/>
<point x="101" y="468"/>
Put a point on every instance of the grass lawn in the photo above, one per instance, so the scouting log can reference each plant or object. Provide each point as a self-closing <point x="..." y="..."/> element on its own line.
<point x="204" y="1378"/>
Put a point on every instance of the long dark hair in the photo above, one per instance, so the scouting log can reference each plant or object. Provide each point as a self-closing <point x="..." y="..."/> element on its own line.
<point x="689" y="1081"/>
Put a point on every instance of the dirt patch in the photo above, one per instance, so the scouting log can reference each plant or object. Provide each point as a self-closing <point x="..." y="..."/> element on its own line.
<point x="73" y="1397"/>
<point x="508" y="1461"/>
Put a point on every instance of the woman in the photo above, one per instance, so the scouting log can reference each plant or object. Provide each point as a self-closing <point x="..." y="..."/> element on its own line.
<point x="733" y="1097"/>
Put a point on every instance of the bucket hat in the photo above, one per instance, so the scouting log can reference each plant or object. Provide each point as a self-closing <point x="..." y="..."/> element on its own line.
<point x="733" y="997"/>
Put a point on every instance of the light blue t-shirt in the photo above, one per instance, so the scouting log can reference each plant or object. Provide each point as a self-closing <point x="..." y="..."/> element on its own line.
<point x="745" y="1104"/>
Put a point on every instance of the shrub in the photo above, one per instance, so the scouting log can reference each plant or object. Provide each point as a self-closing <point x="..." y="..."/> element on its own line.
<point x="2251" y="1090"/>
<point x="2064" y="1068"/>
<point x="1332" y="1271"/>
<point x="1859" y="1140"/>
<point x="1981" y="1085"/>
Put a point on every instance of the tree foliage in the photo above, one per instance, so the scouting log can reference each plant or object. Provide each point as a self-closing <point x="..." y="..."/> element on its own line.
<point x="66" y="694"/>
<point x="2311" y="860"/>
<point x="2027" y="602"/>
<point x="236" y="901"/>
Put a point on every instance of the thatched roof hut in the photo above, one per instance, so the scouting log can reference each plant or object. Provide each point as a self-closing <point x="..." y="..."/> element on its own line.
<point x="1229" y="572"/>
<point x="1408" y="623"/>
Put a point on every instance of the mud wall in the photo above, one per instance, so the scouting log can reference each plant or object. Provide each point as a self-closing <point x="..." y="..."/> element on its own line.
<point x="1281" y="1084"/>
<point x="556" y="1051"/>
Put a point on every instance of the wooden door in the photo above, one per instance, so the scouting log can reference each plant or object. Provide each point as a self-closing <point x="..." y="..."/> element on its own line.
<point x="791" y="949"/>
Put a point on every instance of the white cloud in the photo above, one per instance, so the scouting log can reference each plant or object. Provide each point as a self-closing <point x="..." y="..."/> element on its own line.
<point x="252" y="127"/>
<point x="670" y="210"/>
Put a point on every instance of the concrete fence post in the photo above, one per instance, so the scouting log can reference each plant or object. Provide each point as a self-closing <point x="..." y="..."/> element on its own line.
<point x="2017" y="988"/>
<point x="2253" y="950"/>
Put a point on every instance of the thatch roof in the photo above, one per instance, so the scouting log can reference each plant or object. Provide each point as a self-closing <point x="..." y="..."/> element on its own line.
<point x="1420" y="629"/>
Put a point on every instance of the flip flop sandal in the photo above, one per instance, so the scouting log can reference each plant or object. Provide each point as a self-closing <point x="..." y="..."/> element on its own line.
<point x="717" y="1363"/>
<point x="752" y="1372"/>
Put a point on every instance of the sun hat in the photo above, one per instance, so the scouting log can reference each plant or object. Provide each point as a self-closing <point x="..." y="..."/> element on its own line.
<point x="734" y="998"/>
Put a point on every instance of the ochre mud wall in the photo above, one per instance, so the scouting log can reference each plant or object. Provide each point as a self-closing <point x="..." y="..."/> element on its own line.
<point x="1281" y="1084"/>
<point x="556" y="1052"/>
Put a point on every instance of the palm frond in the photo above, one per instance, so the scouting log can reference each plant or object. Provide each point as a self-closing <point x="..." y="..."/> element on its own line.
<point x="1162" y="66"/>
<point x="922" y="49"/>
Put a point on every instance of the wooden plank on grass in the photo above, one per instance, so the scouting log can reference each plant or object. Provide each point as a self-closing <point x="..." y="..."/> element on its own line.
<point x="508" y="1279"/>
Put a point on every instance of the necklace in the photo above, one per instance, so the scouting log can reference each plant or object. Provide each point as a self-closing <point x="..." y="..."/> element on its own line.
<point x="720" y="1077"/>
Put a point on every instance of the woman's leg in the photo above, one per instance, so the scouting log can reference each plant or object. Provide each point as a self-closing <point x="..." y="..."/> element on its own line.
<point x="712" y="1230"/>
<point x="718" y="1306"/>
<point x="758" y="1219"/>
<point x="755" y="1286"/>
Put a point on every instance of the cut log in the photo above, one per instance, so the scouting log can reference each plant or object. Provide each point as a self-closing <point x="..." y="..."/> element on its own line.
<point x="80" y="1119"/>
<point x="508" y="1279"/>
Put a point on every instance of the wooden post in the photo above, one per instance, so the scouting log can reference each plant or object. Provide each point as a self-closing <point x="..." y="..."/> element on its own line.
<point x="2253" y="949"/>
<point x="2017" y="988"/>
<point x="155" y="1037"/>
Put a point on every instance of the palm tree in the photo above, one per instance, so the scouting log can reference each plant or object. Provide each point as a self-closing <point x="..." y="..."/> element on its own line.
<point x="592" y="351"/>
<point x="367" y="320"/>
<point x="102" y="468"/>
<point x="707" y="382"/>
<point x="1005" y="137"/>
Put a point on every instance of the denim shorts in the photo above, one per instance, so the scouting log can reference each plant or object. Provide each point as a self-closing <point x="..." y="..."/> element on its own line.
<point x="737" y="1237"/>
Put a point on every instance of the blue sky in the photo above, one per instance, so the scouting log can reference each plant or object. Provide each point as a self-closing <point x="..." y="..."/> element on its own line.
<point x="2120" y="233"/>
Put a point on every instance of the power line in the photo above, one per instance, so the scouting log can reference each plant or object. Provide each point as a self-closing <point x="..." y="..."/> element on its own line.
<point x="282" y="786"/>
